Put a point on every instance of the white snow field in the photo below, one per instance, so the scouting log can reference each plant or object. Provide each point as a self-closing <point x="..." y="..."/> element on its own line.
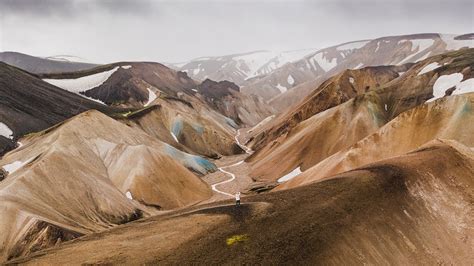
<point x="290" y="175"/>
<point x="428" y="68"/>
<point x="465" y="87"/>
<point x="83" y="83"/>
<point x="5" y="131"/>
<point x="324" y="63"/>
<point x="445" y="82"/>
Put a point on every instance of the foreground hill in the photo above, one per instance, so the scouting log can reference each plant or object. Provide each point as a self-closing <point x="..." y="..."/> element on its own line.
<point x="28" y="104"/>
<point x="86" y="175"/>
<point x="412" y="209"/>
<point x="38" y="65"/>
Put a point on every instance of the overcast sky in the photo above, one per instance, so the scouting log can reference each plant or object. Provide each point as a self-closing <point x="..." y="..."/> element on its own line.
<point x="172" y="31"/>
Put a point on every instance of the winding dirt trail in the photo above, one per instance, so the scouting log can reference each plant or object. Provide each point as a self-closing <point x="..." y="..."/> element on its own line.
<point x="232" y="175"/>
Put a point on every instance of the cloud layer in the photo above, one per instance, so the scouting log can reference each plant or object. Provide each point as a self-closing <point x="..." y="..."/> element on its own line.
<point x="171" y="31"/>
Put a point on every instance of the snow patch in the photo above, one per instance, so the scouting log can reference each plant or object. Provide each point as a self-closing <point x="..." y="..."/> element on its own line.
<point x="465" y="87"/>
<point x="290" y="175"/>
<point x="351" y="80"/>
<point x="151" y="96"/>
<point x="428" y="68"/>
<point x="281" y="88"/>
<point x="129" y="195"/>
<point x="5" y="131"/>
<point x="359" y="66"/>
<point x="83" y="83"/>
<point x="126" y="67"/>
<point x="290" y="80"/>
<point x="324" y="63"/>
<point x="378" y="46"/>
<point x="443" y="83"/>
<point x="13" y="167"/>
<point x="418" y="46"/>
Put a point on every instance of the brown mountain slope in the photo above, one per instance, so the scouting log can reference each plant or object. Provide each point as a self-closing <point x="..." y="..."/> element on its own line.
<point x="448" y="118"/>
<point x="225" y="97"/>
<point x="399" y="94"/>
<point x="412" y="209"/>
<point x="318" y="137"/>
<point x="191" y="128"/>
<point x="139" y="83"/>
<point x="127" y="83"/>
<point x="332" y="92"/>
<point x="88" y="174"/>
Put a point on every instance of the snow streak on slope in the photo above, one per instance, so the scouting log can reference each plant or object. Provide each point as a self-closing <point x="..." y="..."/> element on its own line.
<point x="290" y="175"/>
<point x="428" y="68"/>
<point x="14" y="166"/>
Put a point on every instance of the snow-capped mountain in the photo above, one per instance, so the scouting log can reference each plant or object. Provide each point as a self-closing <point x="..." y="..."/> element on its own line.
<point x="321" y="65"/>
<point x="271" y="75"/>
<point x="239" y="68"/>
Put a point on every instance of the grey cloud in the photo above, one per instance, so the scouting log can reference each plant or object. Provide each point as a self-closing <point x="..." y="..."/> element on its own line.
<point x="68" y="8"/>
<point x="114" y="30"/>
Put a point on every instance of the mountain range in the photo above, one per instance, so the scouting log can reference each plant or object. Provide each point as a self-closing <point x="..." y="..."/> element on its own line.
<point x="359" y="153"/>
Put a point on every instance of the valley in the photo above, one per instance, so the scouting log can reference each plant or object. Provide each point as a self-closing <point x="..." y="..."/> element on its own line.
<point x="358" y="153"/>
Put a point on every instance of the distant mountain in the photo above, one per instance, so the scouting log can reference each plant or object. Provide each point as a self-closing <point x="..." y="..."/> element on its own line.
<point x="138" y="84"/>
<point x="239" y="68"/>
<point x="273" y="76"/>
<point x="319" y="66"/>
<point x="54" y="64"/>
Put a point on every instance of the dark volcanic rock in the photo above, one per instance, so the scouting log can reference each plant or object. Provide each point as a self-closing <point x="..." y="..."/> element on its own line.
<point x="28" y="104"/>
